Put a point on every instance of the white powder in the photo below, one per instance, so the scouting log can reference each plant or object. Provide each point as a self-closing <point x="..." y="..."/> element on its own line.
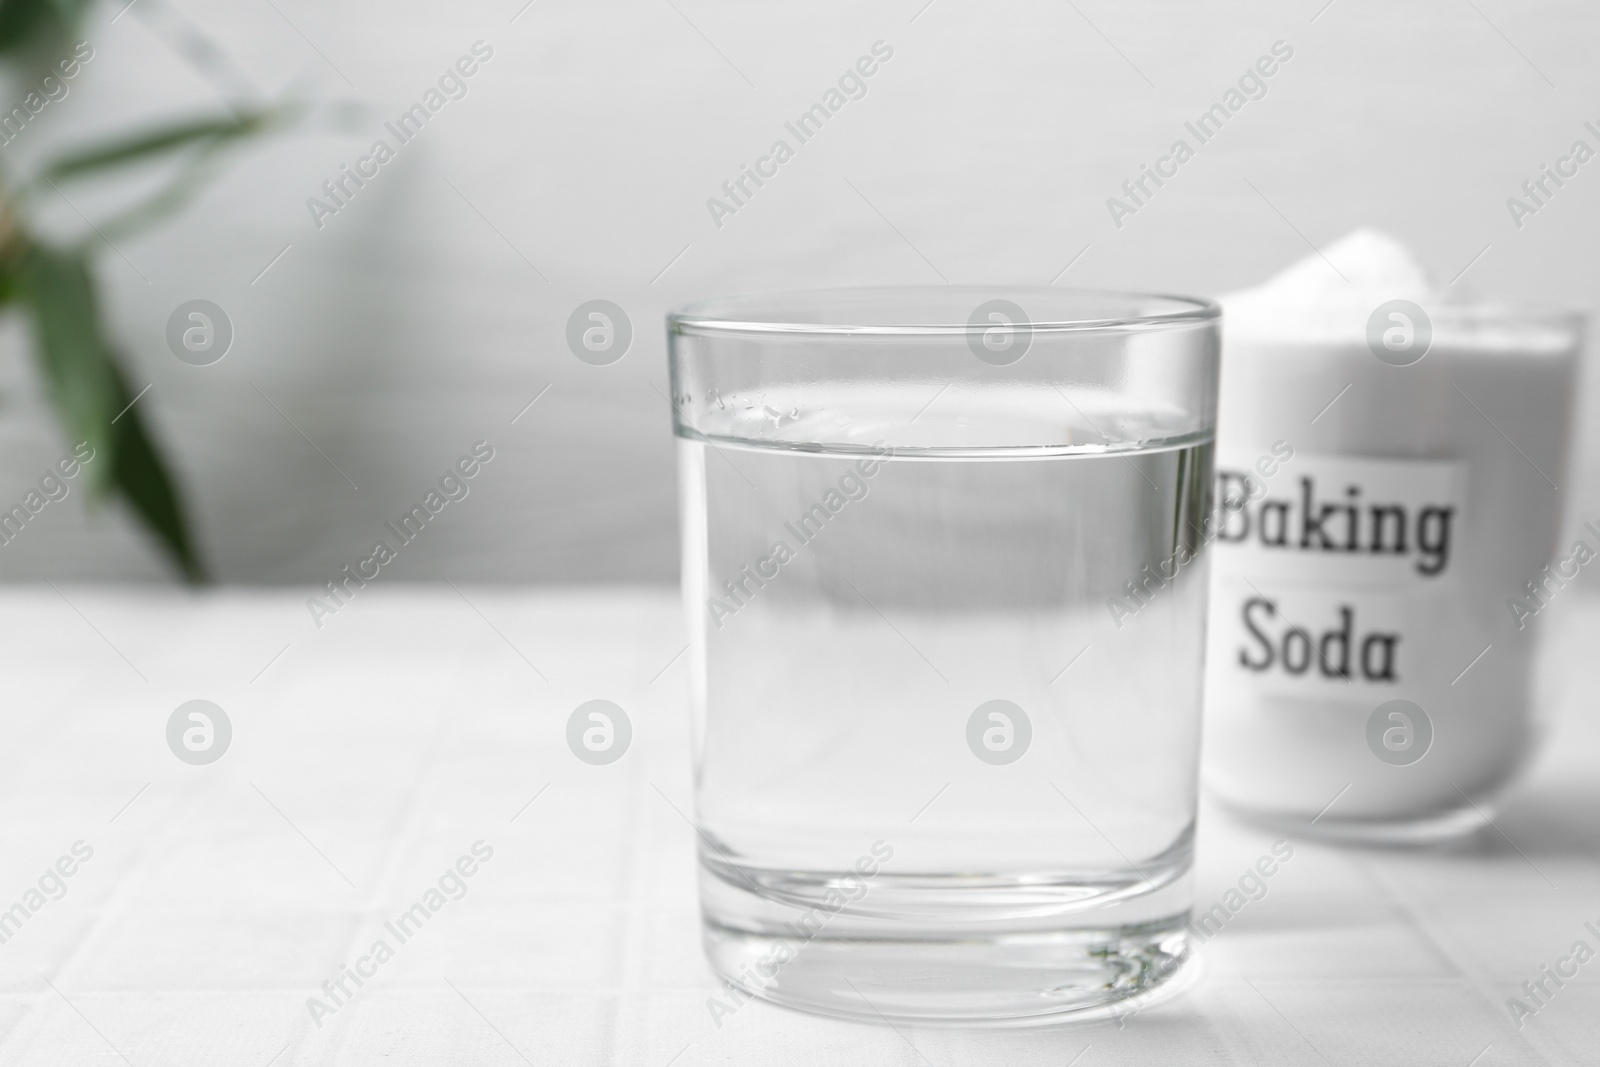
<point x="1310" y="300"/>
<point x="1328" y="296"/>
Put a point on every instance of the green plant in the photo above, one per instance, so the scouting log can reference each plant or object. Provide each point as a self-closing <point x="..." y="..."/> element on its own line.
<point x="52" y="284"/>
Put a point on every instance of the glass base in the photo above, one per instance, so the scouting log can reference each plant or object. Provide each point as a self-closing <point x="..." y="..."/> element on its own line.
<point x="1012" y="955"/>
<point x="1033" y="980"/>
<point x="1432" y="829"/>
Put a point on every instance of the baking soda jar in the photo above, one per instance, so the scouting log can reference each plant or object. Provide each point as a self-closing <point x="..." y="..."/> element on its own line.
<point x="1390" y="480"/>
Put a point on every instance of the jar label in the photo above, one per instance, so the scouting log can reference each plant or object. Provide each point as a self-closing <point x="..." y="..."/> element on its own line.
<point x="1334" y="573"/>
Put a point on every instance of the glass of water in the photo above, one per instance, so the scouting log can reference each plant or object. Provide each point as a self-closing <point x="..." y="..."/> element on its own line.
<point x="944" y="569"/>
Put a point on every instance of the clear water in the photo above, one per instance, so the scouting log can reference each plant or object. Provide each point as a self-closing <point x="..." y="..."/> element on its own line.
<point x="833" y="699"/>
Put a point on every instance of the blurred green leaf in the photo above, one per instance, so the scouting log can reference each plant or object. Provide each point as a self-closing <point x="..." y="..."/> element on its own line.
<point x="204" y="140"/>
<point x="23" y="20"/>
<point x="59" y="293"/>
<point x="204" y="133"/>
<point x="141" y="475"/>
<point x="170" y="199"/>
<point x="54" y="286"/>
<point x="93" y="397"/>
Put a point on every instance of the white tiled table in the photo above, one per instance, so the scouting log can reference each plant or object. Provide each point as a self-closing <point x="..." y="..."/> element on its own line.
<point x="368" y="756"/>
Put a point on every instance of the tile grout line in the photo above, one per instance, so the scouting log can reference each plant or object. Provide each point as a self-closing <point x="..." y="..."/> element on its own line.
<point x="114" y="907"/>
<point x="402" y="843"/>
<point x="1416" y="918"/>
<point x="627" y="1002"/>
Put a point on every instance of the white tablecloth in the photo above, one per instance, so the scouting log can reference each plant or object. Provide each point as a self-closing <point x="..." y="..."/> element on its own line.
<point x="368" y="756"/>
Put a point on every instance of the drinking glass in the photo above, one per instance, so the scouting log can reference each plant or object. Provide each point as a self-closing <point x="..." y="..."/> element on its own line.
<point x="945" y="579"/>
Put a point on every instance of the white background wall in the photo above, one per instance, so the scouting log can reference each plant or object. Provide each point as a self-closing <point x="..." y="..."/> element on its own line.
<point x="432" y="309"/>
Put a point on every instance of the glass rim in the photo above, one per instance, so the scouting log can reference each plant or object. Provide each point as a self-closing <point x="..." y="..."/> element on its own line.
<point x="1456" y="322"/>
<point x="722" y="315"/>
<point x="1546" y="312"/>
